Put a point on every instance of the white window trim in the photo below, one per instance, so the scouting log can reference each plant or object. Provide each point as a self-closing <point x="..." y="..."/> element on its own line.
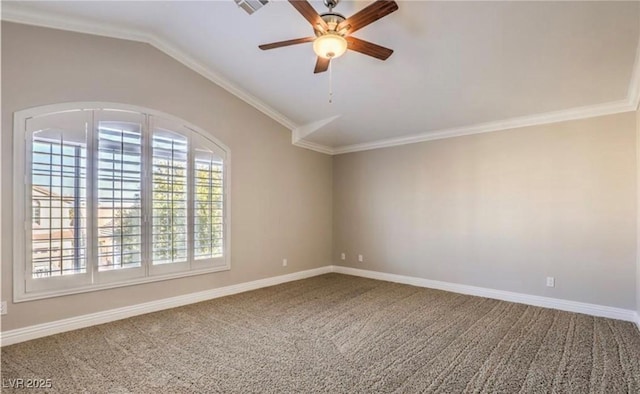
<point x="20" y="217"/>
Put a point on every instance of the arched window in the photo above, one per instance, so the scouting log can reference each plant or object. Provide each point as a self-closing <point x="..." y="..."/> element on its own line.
<point x="120" y="195"/>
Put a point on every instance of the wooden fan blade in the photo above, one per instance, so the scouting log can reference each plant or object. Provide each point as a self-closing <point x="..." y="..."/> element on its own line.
<point x="322" y="65"/>
<point x="367" y="15"/>
<point x="309" y="13"/>
<point x="368" y="48"/>
<point x="279" y="44"/>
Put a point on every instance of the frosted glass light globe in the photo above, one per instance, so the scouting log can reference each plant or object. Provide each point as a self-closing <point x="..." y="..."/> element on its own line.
<point x="330" y="46"/>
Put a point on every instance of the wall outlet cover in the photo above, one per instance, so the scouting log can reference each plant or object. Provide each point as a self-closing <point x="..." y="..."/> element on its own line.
<point x="551" y="281"/>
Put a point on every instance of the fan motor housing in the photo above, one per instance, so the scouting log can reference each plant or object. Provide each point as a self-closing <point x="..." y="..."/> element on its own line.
<point x="333" y="19"/>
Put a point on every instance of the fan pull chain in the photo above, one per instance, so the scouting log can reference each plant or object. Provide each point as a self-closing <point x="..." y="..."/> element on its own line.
<point x="330" y="84"/>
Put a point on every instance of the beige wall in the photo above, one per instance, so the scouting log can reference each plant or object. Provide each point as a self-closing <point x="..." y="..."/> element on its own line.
<point x="280" y="195"/>
<point x="638" y="213"/>
<point x="501" y="210"/>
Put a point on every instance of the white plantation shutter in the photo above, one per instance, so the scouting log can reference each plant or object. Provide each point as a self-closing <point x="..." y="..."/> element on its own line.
<point x="170" y="188"/>
<point x="119" y="218"/>
<point x="57" y="187"/>
<point x="208" y="205"/>
<point x="116" y="196"/>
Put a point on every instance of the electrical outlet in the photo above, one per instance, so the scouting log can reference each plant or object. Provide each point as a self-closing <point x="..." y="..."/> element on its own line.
<point x="284" y="262"/>
<point x="3" y="308"/>
<point x="343" y="256"/>
<point x="551" y="281"/>
<point x="360" y="258"/>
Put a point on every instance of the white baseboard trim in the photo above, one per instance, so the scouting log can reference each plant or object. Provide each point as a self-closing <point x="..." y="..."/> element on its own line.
<point x="42" y="330"/>
<point x="59" y="326"/>
<point x="546" y="302"/>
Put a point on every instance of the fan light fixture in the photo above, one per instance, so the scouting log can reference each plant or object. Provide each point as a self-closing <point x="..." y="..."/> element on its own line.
<point x="330" y="45"/>
<point x="334" y="33"/>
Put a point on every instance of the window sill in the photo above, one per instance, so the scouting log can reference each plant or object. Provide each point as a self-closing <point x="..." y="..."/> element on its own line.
<point x="105" y="286"/>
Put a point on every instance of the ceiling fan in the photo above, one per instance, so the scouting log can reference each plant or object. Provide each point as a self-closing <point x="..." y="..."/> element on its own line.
<point x="333" y="31"/>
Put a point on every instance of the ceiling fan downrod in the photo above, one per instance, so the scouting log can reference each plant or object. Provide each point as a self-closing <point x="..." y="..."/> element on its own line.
<point x="331" y="4"/>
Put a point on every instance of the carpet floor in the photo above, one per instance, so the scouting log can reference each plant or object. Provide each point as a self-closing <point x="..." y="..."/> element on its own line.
<point x="339" y="334"/>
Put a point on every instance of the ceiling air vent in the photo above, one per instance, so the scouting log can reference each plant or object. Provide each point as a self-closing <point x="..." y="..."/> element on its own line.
<point x="251" y="6"/>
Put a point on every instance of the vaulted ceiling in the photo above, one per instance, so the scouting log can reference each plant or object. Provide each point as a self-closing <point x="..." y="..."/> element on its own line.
<point x="458" y="67"/>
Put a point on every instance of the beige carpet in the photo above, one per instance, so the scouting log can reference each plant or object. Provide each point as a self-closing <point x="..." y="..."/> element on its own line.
<point x="338" y="334"/>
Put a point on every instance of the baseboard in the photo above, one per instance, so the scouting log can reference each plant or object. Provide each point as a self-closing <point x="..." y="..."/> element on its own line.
<point x="546" y="302"/>
<point x="42" y="330"/>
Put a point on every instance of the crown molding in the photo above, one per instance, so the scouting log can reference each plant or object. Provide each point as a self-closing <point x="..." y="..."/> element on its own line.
<point x="219" y="80"/>
<point x="299" y="134"/>
<point x="307" y="129"/>
<point x="327" y="150"/>
<point x="507" y="124"/>
<point x="10" y="13"/>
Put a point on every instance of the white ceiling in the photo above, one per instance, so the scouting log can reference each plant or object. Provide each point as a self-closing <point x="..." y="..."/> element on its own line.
<point x="458" y="67"/>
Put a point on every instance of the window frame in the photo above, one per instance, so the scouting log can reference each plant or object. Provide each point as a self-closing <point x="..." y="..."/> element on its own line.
<point x="73" y="284"/>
